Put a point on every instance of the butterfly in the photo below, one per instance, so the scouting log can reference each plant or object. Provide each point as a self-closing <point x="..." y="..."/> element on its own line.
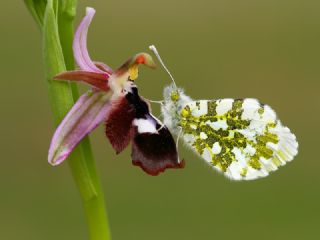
<point x="241" y="138"/>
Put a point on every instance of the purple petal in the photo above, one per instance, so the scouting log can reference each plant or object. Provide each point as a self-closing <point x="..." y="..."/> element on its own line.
<point x="80" y="50"/>
<point x="87" y="113"/>
<point x="104" y="67"/>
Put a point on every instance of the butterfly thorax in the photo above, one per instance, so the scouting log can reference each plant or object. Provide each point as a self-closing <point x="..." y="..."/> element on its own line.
<point x="174" y="101"/>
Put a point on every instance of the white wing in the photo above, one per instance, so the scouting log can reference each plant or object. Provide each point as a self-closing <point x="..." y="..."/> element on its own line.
<point x="241" y="138"/>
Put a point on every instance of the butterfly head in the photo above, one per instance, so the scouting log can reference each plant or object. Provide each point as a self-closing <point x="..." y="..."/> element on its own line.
<point x="174" y="100"/>
<point x="171" y="93"/>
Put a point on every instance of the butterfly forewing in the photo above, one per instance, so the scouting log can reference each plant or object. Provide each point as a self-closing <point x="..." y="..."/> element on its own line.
<point x="241" y="138"/>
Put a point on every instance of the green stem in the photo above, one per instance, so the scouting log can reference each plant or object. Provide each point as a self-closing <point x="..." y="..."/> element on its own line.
<point x="57" y="57"/>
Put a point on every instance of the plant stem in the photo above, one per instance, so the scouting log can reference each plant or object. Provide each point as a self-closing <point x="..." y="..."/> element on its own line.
<point x="57" y="56"/>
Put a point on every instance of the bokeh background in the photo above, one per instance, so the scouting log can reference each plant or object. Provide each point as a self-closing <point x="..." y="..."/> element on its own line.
<point x="266" y="49"/>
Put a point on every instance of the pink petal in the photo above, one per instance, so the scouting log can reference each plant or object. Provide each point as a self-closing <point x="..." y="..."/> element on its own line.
<point x="87" y="113"/>
<point x="104" y="67"/>
<point x="80" y="50"/>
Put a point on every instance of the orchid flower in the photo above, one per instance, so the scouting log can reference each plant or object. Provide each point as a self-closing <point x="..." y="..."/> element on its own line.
<point x="92" y="107"/>
<point x="114" y="100"/>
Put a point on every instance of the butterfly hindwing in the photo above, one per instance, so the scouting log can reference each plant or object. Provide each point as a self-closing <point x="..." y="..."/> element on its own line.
<point x="241" y="138"/>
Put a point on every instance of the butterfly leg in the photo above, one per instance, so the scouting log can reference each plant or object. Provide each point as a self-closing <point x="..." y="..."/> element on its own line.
<point x="178" y="137"/>
<point x="162" y="126"/>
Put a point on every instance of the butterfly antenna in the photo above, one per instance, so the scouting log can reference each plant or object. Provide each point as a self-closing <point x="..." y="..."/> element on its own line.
<point x="155" y="51"/>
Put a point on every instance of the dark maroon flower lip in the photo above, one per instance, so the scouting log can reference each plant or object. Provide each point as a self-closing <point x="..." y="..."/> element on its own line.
<point x="153" y="147"/>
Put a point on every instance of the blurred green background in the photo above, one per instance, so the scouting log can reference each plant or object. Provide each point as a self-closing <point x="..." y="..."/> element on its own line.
<point x="266" y="49"/>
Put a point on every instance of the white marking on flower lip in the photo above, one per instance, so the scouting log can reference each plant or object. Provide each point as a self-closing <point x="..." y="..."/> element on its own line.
<point x="145" y="125"/>
<point x="224" y="105"/>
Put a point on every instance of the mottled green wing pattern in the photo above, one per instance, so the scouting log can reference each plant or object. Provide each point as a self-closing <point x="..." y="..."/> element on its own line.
<point x="241" y="138"/>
